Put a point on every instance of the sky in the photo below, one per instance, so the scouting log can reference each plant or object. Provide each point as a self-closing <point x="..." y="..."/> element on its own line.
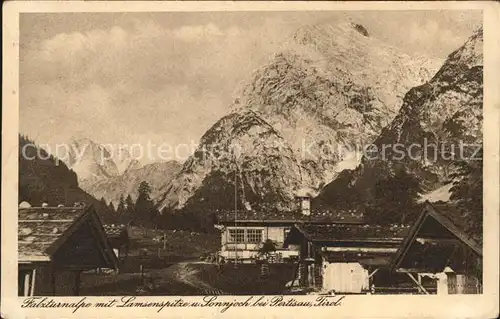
<point x="166" y="78"/>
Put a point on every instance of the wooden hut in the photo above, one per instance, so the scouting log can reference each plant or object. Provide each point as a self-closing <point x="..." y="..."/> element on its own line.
<point x="343" y="257"/>
<point x="437" y="247"/>
<point x="55" y="244"/>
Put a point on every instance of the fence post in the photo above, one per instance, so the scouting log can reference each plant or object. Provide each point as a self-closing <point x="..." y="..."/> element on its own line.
<point x="142" y="273"/>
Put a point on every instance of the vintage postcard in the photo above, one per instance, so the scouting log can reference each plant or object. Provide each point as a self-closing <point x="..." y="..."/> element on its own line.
<point x="250" y="159"/>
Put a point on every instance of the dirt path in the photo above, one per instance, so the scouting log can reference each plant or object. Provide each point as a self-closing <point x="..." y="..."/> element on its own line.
<point x="182" y="272"/>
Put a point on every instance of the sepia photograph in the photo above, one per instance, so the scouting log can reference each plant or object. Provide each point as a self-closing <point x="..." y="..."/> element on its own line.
<point x="324" y="153"/>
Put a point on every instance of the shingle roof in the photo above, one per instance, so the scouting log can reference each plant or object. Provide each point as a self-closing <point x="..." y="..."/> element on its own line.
<point x="364" y="258"/>
<point x="42" y="231"/>
<point x="338" y="232"/>
<point x="373" y="245"/>
<point x="39" y="228"/>
<point x="316" y="215"/>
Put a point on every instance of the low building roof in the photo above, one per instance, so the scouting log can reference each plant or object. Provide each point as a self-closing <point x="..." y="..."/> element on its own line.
<point x="354" y="232"/>
<point x="40" y="228"/>
<point x="295" y="216"/>
<point x="438" y="235"/>
<point x="453" y="214"/>
<point x="366" y="258"/>
<point x="370" y="245"/>
<point x="43" y="230"/>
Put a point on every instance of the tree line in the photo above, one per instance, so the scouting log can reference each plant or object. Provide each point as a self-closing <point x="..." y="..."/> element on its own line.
<point x="394" y="200"/>
<point x="144" y="213"/>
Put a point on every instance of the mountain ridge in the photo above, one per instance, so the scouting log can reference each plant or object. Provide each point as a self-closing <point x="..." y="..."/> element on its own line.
<point x="94" y="161"/>
<point x="127" y="183"/>
<point x="317" y="91"/>
<point x="442" y="114"/>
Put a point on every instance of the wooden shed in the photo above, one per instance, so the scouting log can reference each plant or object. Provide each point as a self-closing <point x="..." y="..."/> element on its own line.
<point x="55" y="244"/>
<point x="437" y="247"/>
<point x="343" y="257"/>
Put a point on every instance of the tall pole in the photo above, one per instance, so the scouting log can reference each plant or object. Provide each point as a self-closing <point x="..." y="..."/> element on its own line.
<point x="235" y="212"/>
<point x="65" y="195"/>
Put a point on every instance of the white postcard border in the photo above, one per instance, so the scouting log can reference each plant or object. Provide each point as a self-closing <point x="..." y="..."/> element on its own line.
<point x="452" y="306"/>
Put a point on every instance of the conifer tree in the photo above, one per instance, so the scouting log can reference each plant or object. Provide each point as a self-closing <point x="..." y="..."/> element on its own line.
<point x="128" y="215"/>
<point x="467" y="190"/>
<point x="103" y="202"/>
<point x="145" y="210"/>
<point x="112" y="208"/>
<point x="120" y="210"/>
<point x="395" y="197"/>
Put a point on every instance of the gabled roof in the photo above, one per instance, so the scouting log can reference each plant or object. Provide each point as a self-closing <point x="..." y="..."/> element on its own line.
<point x="441" y="215"/>
<point x="43" y="230"/>
<point x="316" y="216"/>
<point x="453" y="214"/>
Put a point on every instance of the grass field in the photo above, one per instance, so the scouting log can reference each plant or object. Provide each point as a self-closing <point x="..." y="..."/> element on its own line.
<point x="178" y="243"/>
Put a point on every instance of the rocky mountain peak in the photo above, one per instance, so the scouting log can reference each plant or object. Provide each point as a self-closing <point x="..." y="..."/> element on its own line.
<point x="471" y="53"/>
<point x="466" y="57"/>
<point x="240" y="153"/>
<point x="434" y="123"/>
<point x="329" y="90"/>
<point x="91" y="160"/>
<point x="318" y="34"/>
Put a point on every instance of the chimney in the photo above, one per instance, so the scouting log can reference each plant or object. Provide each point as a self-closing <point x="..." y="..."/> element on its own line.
<point x="304" y="198"/>
<point x="305" y="205"/>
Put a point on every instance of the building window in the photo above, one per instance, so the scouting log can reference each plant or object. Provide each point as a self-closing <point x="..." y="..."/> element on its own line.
<point x="236" y="235"/>
<point x="254" y="236"/>
<point x="245" y="236"/>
